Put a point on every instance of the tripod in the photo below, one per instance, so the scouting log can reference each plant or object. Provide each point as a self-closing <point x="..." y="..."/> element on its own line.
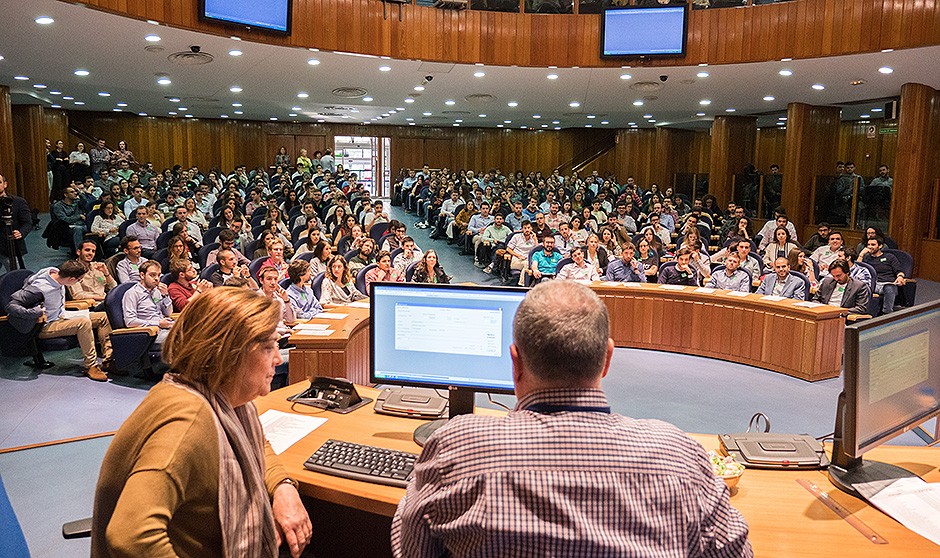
<point x="10" y="247"/>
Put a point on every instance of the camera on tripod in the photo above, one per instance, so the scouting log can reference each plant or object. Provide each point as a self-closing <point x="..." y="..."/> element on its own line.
<point x="11" y="249"/>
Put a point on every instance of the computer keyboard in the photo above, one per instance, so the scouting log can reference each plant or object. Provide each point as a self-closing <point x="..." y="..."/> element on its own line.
<point x="364" y="463"/>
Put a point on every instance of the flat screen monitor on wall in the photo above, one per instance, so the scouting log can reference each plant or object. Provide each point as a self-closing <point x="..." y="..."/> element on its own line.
<point x="642" y="32"/>
<point x="271" y="15"/>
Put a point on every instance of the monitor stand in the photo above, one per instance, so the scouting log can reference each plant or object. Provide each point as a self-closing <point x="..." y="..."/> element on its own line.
<point x="461" y="403"/>
<point x="846" y="471"/>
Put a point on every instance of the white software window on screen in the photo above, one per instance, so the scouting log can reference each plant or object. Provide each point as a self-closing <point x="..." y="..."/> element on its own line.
<point x="463" y="331"/>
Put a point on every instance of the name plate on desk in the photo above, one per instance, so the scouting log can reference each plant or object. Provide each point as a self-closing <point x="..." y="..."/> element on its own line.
<point x="672" y="287"/>
<point x="773" y="298"/>
<point x="736" y="293"/>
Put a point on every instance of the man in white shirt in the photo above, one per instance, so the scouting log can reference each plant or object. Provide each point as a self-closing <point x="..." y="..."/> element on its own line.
<point x="825" y="255"/>
<point x="579" y="269"/>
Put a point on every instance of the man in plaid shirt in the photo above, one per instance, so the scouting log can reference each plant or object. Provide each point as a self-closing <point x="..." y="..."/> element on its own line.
<point x="561" y="475"/>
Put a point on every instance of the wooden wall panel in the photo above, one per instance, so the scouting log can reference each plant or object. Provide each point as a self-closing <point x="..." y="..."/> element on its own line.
<point x="7" y="145"/>
<point x="867" y="153"/>
<point x="801" y="28"/>
<point x="732" y="147"/>
<point x="31" y="125"/>
<point x="812" y="141"/>
<point x="770" y="149"/>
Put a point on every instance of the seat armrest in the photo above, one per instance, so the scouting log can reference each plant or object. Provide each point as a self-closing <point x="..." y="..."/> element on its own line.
<point x="149" y="330"/>
<point x="82" y="304"/>
<point x="857" y="317"/>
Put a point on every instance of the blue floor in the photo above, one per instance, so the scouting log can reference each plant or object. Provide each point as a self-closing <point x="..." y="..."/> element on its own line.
<point x="51" y="485"/>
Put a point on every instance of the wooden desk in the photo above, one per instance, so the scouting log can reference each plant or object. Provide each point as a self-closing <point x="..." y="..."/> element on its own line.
<point x="785" y="519"/>
<point x="777" y="335"/>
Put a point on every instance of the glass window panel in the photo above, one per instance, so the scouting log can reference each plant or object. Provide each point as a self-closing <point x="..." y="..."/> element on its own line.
<point x="874" y="203"/>
<point x="495" y="5"/>
<point x="549" y="6"/>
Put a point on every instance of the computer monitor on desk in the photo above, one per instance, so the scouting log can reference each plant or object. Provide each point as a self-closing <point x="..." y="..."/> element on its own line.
<point x="452" y="337"/>
<point x="892" y="384"/>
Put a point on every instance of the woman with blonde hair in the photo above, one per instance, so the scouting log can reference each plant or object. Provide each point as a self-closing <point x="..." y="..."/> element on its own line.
<point x="189" y="472"/>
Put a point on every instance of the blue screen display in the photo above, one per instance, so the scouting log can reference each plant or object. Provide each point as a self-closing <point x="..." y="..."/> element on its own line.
<point x="439" y="336"/>
<point x="644" y="32"/>
<point x="268" y="14"/>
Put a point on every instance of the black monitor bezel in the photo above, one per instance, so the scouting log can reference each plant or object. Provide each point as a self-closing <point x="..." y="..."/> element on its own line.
<point x="685" y="32"/>
<point x="372" y="307"/>
<point x="246" y="26"/>
<point x="849" y="424"/>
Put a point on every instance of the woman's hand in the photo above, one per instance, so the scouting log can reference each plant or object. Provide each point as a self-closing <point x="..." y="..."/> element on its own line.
<point x="291" y="519"/>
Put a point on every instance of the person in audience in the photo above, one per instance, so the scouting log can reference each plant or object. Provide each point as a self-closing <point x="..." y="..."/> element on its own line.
<point x="382" y="271"/>
<point x="609" y="242"/>
<point x="517" y="250"/>
<point x="458" y="226"/>
<point x="364" y="257"/>
<point x="273" y="216"/>
<point x="494" y="234"/>
<point x="145" y="232"/>
<point x="226" y="242"/>
<point x="768" y="232"/>
<point x="649" y="257"/>
<point x="43" y="295"/>
<point x="625" y="268"/>
<point x="655" y="226"/>
<point x="829" y="252"/>
<point x="838" y="288"/>
<point x="820" y="239"/>
<point x="128" y="268"/>
<point x="429" y="270"/>
<point x="565" y="240"/>
<point x="185" y="284"/>
<point x="276" y="258"/>
<point x="782" y="283"/>
<point x="229" y="266"/>
<point x="681" y="273"/>
<point x="862" y="247"/>
<point x="889" y="275"/>
<point x="578" y="233"/>
<point x="560" y="353"/>
<point x="579" y="269"/>
<point x="264" y="244"/>
<point x="148" y="302"/>
<point x="198" y="430"/>
<point x="97" y="280"/>
<point x="395" y="237"/>
<point x="799" y="262"/>
<point x="322" y="253"/>
<point x="195" y="216"/>
<point x="313" y="238"/>
<point x="338" y="287"/>
<point x="732" y="277"/>
<point x="545" y="261"/>
<point x="107" y="225"/>
<point x="478" y="223"/>
<point x="375" y="216"/>
<point x="596" y="254"/>
<point x="136" y="200"/>
<point x="272" y="290"/>
<point x="300" y="293"/>
<point x="178" y="250"/>
<point x="780" y="246"/>
<point x="69" y="211"/>
<point x="856" y="271"/>
<point x="410" y="254"/>
<point x="184" y="223"/>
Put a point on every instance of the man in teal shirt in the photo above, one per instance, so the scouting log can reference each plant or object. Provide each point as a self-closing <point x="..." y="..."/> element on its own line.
<point x="544" y="262"/>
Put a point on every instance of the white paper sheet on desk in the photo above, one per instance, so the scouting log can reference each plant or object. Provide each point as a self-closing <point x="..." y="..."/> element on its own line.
<point x="808" y="304"/>
<point x="612" y="283"/>
<point x="706" y="290"/>
<point x="331" y="316"/>
<point x="583" y="281"/>
<point x="314" y="332"/>
<point x="308" y="327"/>
<point x="285" y="429"/>
<point x="672" y="287"/>
<point x="358" y="304"/>
<point x="773" y="298"/>
<point x="72" y="314"/>
<point x="911" y="501"/>
<point x="736" y="293"/>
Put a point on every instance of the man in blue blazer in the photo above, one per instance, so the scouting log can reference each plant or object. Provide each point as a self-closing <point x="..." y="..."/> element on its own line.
<point x="782" y="283"/>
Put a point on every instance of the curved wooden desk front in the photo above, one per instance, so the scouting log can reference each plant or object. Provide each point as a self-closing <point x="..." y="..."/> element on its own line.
<point x="785" y="520"/>
<point x="777" y="335"/>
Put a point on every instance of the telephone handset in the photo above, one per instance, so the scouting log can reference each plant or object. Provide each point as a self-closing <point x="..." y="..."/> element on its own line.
<point x="333" y="394"/>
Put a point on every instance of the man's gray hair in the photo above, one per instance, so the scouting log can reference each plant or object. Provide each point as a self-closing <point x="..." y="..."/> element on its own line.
<point x="561" y="331"/>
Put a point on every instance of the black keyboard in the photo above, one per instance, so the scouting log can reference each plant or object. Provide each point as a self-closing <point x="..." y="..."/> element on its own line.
<point x="364" y="463"/>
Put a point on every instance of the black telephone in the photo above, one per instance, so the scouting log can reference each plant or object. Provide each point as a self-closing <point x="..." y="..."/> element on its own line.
<point x="333" y="394"/>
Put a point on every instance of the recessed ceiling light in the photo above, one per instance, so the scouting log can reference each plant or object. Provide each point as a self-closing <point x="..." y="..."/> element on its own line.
<point x="419" y="88"/>
<point x="55" y="92"/>
<point x="704" y="102"/>
<point x="552" y="76"/>
<point x="122" y="104"/>
<point x="393" y="112"/>
<point x="39" y="85"/>
<point x="786" y="59"/>
<point x="235" y="89"/>
<point x="556" y="121"/>
<point x="79" y="103"/>
<point x="164" y="81"/>
<point x="313" y="62"/>
<point x="116" y="110"/>
<point x="171" y="113"/>
<point x="68" y="98"/>
<point x="523" y="127"/>
<point x="512" y="104"/>
<point x="647" y="116"/>
<point x="478" y="74"/>
<point x="781" y="118"/>
<point x="588" y="126"/>
<point x="141" y="114"/>
<point x="292" y="114"/>
<point x="426" y="113"/>
<point x="21" y="78"/>
<point x="409" y="100"/>
<point x="44" y="20"/>
<point x="863" y="121"/>
<point x="272" y="118"/>
<point x="626" y="76"/>
<point x="153" y="22"/>
<point x="303" y="95"/>
<point x="456" y="125"/>
<point x="786" y="73"/>
<point x="321" y="120"/>
<point x="558" y="127"/>
<point x="235" y="52"/>
<point x="410" y="119"/>
<point x="399" y="109"/>
<point x="223" y="116"/>
<point x="730" y="110"/>
<point x="55" y="106"/>
<point x="450" y="102"/>
<point x="781" y="123"/>
<point x="152" y="38"/>
<point x="574" y="104"/>
<point x="295" y="109"/>
<point x="182" y="109"/>
<point x="887" y="50"/>
<point x="385" y="68"/>
<point x="507" y="121"/>
<point x="886" y="70"/>
<point x="234" y="38"/>
<point x="818" y="86"/>
<point x="104" y="94"/>
<point x="233" y="104"/>
<point x="591" y="116"/>
<point x="411" y="124"/>
<point x="82" y="73"/>
<point x="188" y="115"/>
<point x="481" y="115"/>
<point x="500" y="126"/>
<point x="865" y="116"/>
<point x="544" y="125"/>
<point x="638" y="103"/>
<point x="699" y="114"/>
<point x="703" y="64"/>
<point x="702" y="74"/>
<point x="368" y="99"/>
<point x="536" y="116"/>
<point x="239" y="112"/>
<point x="877" y="109"/>
<point x="458" y="120"/>
<point x="174" y="99"/>
<point x="652" y="121"/>
<point x="770" y="98"/>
